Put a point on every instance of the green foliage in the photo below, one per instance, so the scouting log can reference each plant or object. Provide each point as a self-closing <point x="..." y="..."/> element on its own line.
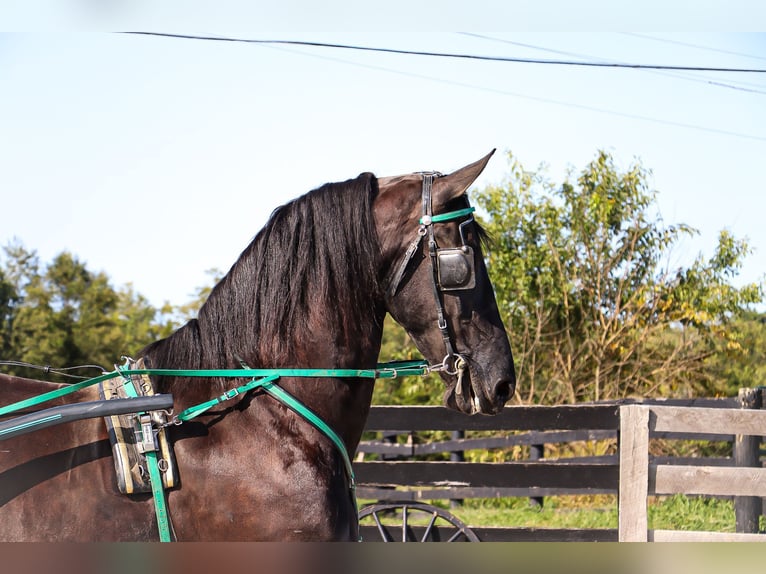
<point x="62" y="314"/>
<point x="582" y="280"/>
<point x="404" y="390"/>
<point x="742" y="363"/>
<point x="8" y="299"/>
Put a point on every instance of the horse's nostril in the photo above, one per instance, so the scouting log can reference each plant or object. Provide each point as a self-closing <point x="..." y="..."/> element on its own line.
<point x="503" y="391"/>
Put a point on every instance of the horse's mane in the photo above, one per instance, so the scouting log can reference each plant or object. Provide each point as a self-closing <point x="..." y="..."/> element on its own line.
<point x="316" y="258"/>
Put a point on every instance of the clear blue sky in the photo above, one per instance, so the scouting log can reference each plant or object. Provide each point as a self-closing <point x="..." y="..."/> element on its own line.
<point x="156" y="159"/>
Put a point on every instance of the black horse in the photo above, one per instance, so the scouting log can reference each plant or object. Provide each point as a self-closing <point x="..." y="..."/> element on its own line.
<point x="310" y="291"/>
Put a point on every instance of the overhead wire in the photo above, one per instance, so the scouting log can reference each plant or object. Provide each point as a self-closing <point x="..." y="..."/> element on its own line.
<point x="281" y="46"/>
<point x="673" y="74"/>
<point x="446" y="54"/>
<point x="690" y="45"/>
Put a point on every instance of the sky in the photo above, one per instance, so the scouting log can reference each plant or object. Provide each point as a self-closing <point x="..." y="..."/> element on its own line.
<point x="156" y="159"/>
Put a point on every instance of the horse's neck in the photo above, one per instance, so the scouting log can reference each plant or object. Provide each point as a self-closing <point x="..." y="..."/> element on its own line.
<point x="317" y="345"/>
<point x="342" y="403"/>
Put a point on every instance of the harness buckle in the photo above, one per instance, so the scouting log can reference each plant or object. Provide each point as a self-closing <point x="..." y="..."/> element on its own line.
<point x="145" y="434"/>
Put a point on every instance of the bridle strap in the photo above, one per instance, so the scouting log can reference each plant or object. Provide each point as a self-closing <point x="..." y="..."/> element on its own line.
<point x="427" y="222"/>
<point x="453" y="363"/>
<point x="408" y="255"/>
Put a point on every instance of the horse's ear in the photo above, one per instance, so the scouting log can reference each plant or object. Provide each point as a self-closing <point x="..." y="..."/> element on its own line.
<point x="455" y="184"/>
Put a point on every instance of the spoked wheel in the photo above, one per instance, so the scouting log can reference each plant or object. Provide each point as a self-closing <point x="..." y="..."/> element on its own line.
<point x="412" y="522"/>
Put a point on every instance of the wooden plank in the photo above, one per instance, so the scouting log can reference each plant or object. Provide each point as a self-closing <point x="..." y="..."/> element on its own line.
<point x="699" y="536"/>
<point x="500" y="442"/>
<point x="691" y="461"/>
<point x="710" y="480"/>
<point x="537" y="418"/>
<point x="458" y="492"/>
<point x="708" y="436"/>
<point x="509" y="441"/>
<point x="634" y="480"/>
<point x="705" y="420"/>
<point x="507" y="474"/>
<point x="489" y="534"/>
<point x="705" y="402"/>
<point x="483" y="443"/>
<point x="377" y="447"/>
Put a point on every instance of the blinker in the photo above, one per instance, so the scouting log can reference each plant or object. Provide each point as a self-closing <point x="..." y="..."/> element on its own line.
<point x="454" y="265"/>
<point x="455" y="268"/>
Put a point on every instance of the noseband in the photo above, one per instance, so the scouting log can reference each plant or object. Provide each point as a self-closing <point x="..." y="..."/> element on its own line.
<point x="452" y="269"/>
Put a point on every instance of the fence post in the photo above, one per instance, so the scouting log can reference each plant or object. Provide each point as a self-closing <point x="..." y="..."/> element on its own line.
<point x="634" y="473"/>
<point x="536" y="452"/>
<point x="456" y="456"/>
<point x="390" y="438"/>
<point x="748" y="509"/>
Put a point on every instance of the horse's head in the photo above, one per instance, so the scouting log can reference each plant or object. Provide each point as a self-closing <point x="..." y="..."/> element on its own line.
<point x="437" y="285"/>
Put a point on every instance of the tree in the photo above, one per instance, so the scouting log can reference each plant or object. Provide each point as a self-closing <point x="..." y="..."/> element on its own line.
<point x="743" y="362"/>
<point x="583" y="281"/>
<point x="65" y="315"/>
<point x="7" y="302"/>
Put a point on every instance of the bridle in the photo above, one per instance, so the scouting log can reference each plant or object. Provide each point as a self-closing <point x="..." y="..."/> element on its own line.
<point x="452" y="269"/>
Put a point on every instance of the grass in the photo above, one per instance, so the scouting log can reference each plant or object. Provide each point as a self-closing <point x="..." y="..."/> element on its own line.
<point x="557" y="512"/>
<point x="677" y="512"/>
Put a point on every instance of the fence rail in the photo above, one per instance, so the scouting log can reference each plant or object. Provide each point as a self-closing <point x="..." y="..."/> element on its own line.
<point x="632" y="474"/>
<point x="639" y="478"/>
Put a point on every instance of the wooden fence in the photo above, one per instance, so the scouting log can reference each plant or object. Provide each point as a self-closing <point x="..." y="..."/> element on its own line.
<point x="632" y="474"/>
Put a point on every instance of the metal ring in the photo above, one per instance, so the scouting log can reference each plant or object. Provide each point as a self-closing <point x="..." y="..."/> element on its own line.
<point x="459" y="364"/>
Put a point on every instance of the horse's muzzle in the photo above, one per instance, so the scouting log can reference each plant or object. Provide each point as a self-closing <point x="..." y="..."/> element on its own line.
<point x="476" y="391"/>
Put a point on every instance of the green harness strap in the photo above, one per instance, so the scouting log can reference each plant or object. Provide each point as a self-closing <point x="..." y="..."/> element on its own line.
<point x="390" y="370"/>
<point x="269" y="385"/>
<point x="155" y="478"/>
<point x="448" y="216"/>
<point x="263" y="378"/>
<point x="49" y="396"/>
<point x="158" y="494"/>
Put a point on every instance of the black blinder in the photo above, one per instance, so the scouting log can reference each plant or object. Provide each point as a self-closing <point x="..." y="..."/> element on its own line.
<point x="455" y="268"/>
<point x="454" y="265"/>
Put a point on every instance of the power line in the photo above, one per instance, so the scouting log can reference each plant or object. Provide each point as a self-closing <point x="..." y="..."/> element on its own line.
<point x="540" y="99"/>
<point x="523" y="45"/>
<point x="449" y="55"/>
<point x="690" y="45"/>
<point x="689" y="78"/>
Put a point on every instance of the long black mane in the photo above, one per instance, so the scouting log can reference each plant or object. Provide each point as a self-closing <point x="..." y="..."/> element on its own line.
<point x="314" y="262"/>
